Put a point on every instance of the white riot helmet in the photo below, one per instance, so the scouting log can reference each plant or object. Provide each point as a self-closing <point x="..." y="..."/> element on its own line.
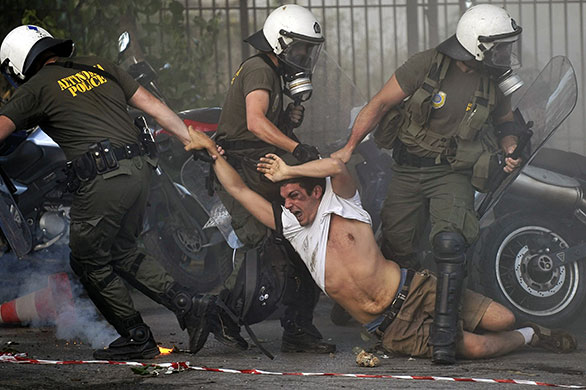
<point x="488" y="34"/>
<point x="481" y="29"/>
<point x="293" y="33"/>
<point x="22" y="46"/>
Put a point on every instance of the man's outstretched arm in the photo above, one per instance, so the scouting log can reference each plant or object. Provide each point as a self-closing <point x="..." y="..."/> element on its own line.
<point x="275" y="169"/>
<point x="231" y="180"/>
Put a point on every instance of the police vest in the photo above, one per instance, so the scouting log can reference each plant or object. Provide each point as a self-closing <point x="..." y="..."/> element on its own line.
<point x="409" y="121"/>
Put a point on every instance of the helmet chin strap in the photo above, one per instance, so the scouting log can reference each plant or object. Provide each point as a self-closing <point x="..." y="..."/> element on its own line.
<point x="507" y="80"/>
<point x="471" y="66"/>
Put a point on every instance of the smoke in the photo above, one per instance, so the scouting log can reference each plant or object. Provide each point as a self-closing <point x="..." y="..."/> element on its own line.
<point x="74" y="316"/>
<point x="85" y="325"/>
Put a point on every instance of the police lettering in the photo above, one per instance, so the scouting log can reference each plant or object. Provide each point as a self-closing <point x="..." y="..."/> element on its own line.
<point x="81" y="82"/>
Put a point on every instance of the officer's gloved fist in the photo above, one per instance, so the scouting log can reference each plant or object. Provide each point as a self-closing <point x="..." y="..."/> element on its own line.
<point x="294" y="113"/>
<point x="304" y="153"/>
<point x="202" y="155"/>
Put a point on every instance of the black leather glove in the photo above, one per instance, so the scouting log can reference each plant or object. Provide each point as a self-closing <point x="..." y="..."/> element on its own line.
<point x="296" y="110"/>
<point x="202" y="155"/>
<point x="304" y="153"/>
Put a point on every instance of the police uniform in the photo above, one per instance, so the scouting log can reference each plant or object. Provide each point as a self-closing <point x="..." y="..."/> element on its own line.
<point x="424" y="184"/>
<point x="443" y="150"/>
<point x="244" y="149"/>
<point x="79" y="109"/>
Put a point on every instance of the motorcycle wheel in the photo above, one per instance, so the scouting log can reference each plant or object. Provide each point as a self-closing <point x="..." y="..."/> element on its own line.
<point x="180" y="243"/>
<point x="516" y="269"/>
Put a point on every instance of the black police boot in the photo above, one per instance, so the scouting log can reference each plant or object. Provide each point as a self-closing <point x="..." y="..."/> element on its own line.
<point x="138" y="343"/>
<point x="449" y="251"/>
<point x="303" y="338"/>
<point x="339" y="315"/>
<point x="192" y="313"/>
<point x="197" y="321"/>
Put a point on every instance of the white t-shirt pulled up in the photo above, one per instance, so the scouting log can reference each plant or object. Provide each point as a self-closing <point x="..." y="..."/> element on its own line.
<point x="311" y="241"/>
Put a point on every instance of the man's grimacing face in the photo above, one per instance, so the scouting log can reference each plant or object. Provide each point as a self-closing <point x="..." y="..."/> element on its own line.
<point x="301" y="204"/>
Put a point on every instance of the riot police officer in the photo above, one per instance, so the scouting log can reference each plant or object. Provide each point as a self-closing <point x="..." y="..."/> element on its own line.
<point x="82" y="104"/>
<point x="436" y="108"/>
<point x="253" y="123"/>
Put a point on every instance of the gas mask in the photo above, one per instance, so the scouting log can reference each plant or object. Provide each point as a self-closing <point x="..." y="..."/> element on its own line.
<point x="298" y="86"/>
<point x="298" y="60"/>
<point x="500" y="61"/>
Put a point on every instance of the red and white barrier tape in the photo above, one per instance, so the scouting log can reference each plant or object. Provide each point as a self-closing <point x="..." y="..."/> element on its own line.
<point x="182" y="366"/>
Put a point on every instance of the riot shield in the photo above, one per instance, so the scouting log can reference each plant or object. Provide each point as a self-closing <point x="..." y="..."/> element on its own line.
<point x="194" y="176"/>
<point x="12" y="222"/>
<point x="332" y="108"/>
<point x="544" y="105"/>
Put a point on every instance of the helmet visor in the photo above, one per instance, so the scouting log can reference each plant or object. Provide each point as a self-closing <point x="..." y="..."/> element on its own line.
<point x="302" y="54"/>
<point x="503" y="55"/>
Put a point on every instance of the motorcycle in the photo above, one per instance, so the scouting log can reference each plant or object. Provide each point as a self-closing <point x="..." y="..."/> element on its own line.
<point x="34" y="211"/>
<point x="532" y="243"/>
<point x="193" y="245"/>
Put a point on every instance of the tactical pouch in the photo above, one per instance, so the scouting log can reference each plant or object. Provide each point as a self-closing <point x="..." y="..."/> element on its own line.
<point x="480" y="156"/>
<point x="103" y="156"/>
<point x="84" y="167"/>
<point x="467" y="153"/>
<point x="388" y="127"/>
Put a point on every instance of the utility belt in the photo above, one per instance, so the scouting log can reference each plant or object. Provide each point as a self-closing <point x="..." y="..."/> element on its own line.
<point x="403" y="157"/>
<point x="102" y="158"/>
<point x="393" y="309"/>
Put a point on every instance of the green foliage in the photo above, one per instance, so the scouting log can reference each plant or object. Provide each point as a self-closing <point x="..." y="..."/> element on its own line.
<point x="160" y="29"/>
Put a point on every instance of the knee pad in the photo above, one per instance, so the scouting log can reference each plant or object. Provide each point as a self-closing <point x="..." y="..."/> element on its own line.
<point x="179" y="300"/>
<point x="449" y="247"/>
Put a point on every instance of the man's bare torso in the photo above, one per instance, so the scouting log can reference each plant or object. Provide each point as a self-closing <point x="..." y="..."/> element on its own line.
<point x="357" y="275"/>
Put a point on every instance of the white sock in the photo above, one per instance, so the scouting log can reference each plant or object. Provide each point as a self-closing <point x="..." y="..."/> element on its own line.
<point x="527" y="333"/>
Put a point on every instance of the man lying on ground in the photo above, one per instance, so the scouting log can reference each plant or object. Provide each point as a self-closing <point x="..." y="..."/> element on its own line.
<point x="324" y="220"/>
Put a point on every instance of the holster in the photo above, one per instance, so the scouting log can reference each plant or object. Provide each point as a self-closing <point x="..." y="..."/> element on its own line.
<point x="148" y="144"/>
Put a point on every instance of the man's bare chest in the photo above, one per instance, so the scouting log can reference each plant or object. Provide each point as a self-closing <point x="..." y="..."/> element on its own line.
<point x="346" y="235"/>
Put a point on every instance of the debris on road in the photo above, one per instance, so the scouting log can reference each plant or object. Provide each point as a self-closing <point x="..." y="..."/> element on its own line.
<point x="365" y="359"/>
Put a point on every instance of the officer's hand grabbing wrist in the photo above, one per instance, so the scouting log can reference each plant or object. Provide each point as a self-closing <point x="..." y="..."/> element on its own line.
<point x="304" y="153"/>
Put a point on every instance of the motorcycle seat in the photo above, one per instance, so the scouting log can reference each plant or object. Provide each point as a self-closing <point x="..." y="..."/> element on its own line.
<point x="21" y="159"/>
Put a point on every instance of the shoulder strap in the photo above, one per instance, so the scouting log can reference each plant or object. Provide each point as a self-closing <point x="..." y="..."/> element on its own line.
<point x="237" y="320"/>
<point x="251" y="276"/>
<point x="88" y="68"/>
<point x="420" y="102"/>
<point x="277" y="214"/>
<point x="437" y="72"/>
<point x="267" y="60"/>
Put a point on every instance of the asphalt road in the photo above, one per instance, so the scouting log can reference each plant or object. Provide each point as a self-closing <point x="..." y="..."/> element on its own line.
<point x="76" y="341"/>
<point x="44" y="343"/>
